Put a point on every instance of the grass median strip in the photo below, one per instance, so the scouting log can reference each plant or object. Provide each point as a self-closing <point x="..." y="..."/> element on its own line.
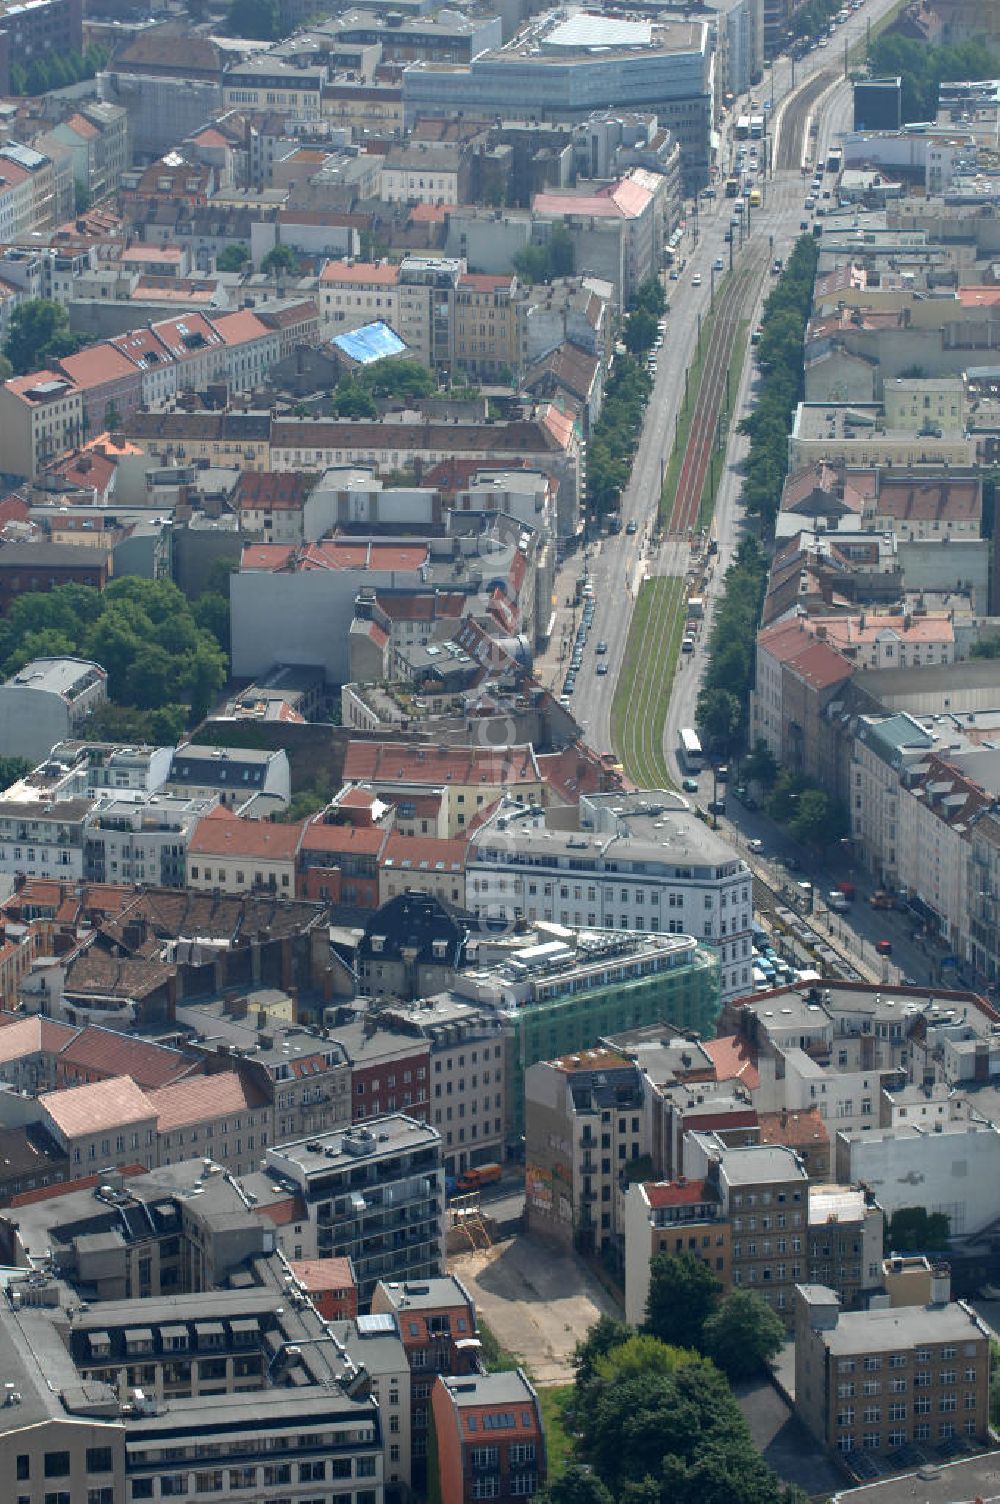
<point x="706" y="507"/>
<point x="684" y="420"/>
<point x="642" y="697"/>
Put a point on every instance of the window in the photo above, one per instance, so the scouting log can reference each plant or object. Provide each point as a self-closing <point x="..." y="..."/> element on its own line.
<point x="486" y="1487"/>
<point x="57" y="1464"/>
<point x="100" y="1460"/>
<point x="23" y="1467"/>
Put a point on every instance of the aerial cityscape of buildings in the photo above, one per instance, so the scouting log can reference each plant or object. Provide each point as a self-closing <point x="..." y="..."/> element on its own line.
<point x="499" y="750"/>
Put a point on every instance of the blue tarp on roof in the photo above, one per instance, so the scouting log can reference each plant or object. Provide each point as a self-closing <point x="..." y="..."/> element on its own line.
<point x="370" y="343"/>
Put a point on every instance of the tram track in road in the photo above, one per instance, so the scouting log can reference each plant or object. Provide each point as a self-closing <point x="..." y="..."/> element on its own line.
<point x="791" y="146"/>
<point x="708" y="398"/>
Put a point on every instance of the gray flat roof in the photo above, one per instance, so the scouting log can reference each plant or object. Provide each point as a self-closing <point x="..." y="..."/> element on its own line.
<point x="759" y="1163"/>
<point x="950" y="1483"/>
<point x="900" y="1327"/>
<point x="382" y="1137"/>
<point x="507" y="1388"/>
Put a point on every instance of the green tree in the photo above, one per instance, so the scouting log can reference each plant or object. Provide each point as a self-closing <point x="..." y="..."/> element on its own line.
<point x="281" y="258"/>
<point x="352" y="400"/>
<point x="650" y="296"/>
<point x="719" y="716"/>
<point x="18" y="79"/>
<point x="743" y="1335"/>
<point x="639" y="331"/>
<point x="211" y="614"/>
<point x="232" y="258"/>
<point x="913" y="1229"/>
<point x="986" y="647"/>
<point x="577" y="1485"/>
<point x="560" y="251"/>
<point x="257" y="19"/>
<point x="606" y="1334"/>
<point x="11" y="769"/>
<point x="39" y="76"/>
<point x="760" y="765"/>
<point x="531" y="264"/>
<point x="219" y="576"/>
<point x="82" y="196"/>
<point x="818" y="820"/>
<point x="683" y="1293"/>
<point x="38" y="332"/>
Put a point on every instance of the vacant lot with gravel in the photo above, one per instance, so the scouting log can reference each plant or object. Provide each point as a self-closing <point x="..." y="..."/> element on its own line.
<point x="538" y="1301"/>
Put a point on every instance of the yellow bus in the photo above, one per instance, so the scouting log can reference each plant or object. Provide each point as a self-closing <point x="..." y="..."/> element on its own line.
<point x="755" y="198"/>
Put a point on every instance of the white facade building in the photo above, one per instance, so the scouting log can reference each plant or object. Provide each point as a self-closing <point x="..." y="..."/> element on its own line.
<point x="644" y="862"/>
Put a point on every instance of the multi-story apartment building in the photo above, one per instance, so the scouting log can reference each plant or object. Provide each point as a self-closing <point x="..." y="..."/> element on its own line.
<point x="487" y="336"/>
<point x="47" y="701"/>
<point x="885" y="1378"/>
<point x="763" y="1190"/>
<point x="246" y="1386"/>
<point x="468" y="1075"/>
<point x="672" y="1216"/>
<point x="41" y="416"/>
<point x="235" y="855"/>
<point x="426" y="297"/>
<point x="35" y="32"/>
<point x="437" y="1325"/>
<point x="354" y="294"/>
<point x="489" y="1437"/>
<point x="982" y="935"/>
<point x="639" y="862"/>
<point x="141" y="838"/>
<point x="557" y="997"/>
<point x="375" y="1194"/>
<point x="843" y="1243"/>
<point x="585" y="1130"/>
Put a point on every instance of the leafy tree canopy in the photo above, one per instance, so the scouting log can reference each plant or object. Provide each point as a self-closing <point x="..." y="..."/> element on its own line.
<point x="683" y="1293"/>
<point x="38" y="332"/>
<point x="912" y="1229"/>
<point x="162" y="655"/>
<point x="253" y="18"/>
<point x="743" y="1335"/>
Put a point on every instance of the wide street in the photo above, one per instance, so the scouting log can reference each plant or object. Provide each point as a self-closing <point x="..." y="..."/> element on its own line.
<point x="619" y="563"/>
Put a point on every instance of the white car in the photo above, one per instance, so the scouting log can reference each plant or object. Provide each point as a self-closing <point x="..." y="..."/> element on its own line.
<point x="696" y="280"/>
<point x="718" y="264"/>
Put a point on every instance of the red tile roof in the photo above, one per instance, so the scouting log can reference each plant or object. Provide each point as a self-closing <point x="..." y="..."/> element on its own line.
<point x="678" y="1192"/>
<point x="323" y="1274"/>
<point x="201" y="1099"/>
<point x="98" y="1107"/>
<point x="439" y="764"/>
<point x="113" y="1054"/>
<point x="336" y="553"/>
<point x="798" y="1130"/>
<point x="733" y="1060"/>
<point x="240" y="328"/>
<point x="97" y="365"/>
<point x="423" y="853"/>
<point x="220" y="833"/>
<point x="357" y="840"/>
<point x="360" y="273"/>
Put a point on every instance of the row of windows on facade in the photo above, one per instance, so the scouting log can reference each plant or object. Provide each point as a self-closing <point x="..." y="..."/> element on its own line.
<point x="899" y="1386"/>
<point x="472" y="1130"/>
<point x="922" y="1431"/>
<point x="674" y="900"/>
<point x="872" y="1414"/>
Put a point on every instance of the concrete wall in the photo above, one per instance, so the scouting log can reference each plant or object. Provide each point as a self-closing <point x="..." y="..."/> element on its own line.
<point x="955" y="1171"/>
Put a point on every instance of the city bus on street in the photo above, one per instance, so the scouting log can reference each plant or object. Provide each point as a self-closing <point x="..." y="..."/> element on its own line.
<point x="756" y="127"/>
<point x="692" y="759"/>
<point x="742" y="128"/>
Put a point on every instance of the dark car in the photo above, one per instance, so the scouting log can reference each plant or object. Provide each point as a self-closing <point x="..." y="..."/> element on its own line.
<point x="884" y="947"/>
<point x="717" y="807"/>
